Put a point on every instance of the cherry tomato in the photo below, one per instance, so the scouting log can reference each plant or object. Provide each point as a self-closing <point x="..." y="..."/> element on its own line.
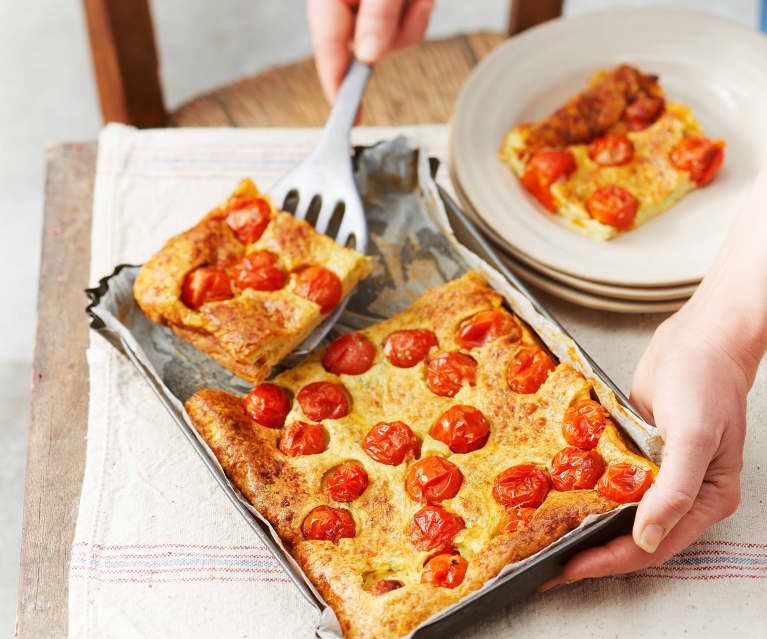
<point x="350" y="354"/>
<point x="434" y="528"/>
<point x="701" y="157"/>
<point x="518" y="519"/>
<point x="445" y="571"/>
<point x="433" y="479"/>
<point x="522" y="485"/>
<point x="545" y="168"/>
<point x="624" y="483"/>
<point x="447" y="372"/>
<point x="406" y="348"/>
<point x="383" y="586"/>
<point x="328" y="524"/>
<point x="463" y="428"/>
<point x="205" y="284"/>
<point x="268" y="405"/>
<point x="323" y="400"/>
<point x="319" y="285"/>
<point x="613" y="205"/>
<point x="347" y="481"/>
<point x="302" y="438"/>
<point x="529" y="369"/>
<point x="248" y="218"/>
<point x="584" y="423"/>
<point x="485" y="327"/>
<point x="611" y="150"/>
<point x="260" y="271"/>
<point x="390" y="442"/>
<point x="643" y="111"/>
<point x="576" y="469"/>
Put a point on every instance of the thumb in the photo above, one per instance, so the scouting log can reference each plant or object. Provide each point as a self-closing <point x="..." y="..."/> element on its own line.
<point x="376" y="27"/>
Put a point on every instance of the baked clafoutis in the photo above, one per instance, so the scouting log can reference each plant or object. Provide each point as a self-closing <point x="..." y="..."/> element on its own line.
<point x="248" y="283"/>
<point x="406" y="464"/>
<point x="613" y="156"/>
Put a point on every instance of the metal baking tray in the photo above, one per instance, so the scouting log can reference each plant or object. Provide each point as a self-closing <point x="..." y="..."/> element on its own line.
<point x="173" y="372"/>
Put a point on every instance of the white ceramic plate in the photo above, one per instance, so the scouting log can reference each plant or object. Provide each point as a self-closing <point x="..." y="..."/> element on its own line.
<point x="716" y="67"/>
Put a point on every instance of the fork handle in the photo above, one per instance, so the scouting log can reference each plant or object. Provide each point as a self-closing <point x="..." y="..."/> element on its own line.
<point x="335" y="138"/>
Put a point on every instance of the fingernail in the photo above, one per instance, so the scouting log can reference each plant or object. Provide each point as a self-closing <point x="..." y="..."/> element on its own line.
<point x="367" y="48"/>
<point x="551" y="583"/>
<point x="650" y="538"/>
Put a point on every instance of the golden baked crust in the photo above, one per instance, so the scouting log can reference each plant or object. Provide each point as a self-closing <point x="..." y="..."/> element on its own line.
<point x="523" y="429"/>
<point x="253" y="330"/>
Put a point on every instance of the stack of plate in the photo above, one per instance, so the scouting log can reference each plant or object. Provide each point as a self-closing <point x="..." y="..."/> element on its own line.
<point x="657" y="266"/>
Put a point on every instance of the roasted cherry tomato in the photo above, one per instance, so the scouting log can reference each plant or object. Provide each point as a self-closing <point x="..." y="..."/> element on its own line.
<point x="529" y="369"/>
<point x="260" y="271"/>
<point x="545" y="168"/>
<point x="302" y="438"/>
<point x="323" y="400"/>
<point x="205" y="284"/>
<point x="350" y="354"/>
<point x="701" y="157"/>
<point x="611" y="150"/>
<point x="433" y="528"/>
<point x="406" y="348"/>
<point x="613" y="205"/>
<point x="584" y="423"/>
<point x="485" y="327"/>
<point x="347" y="481"/>
<point x="433" y="479"/>
<point x="517" y="519"/>
<point x="383" y="586"/>
<point x="463" y="428"/>
<point x="522" y="485"/>
<point x="390" y="442"/>
<point x="248" y="218"/>
<point x="447" y="372"/>
<point x="576" y="469"/>
<point x="268" y="405"/>
<point x="319" y="285"/>
<point x="445" y="571"/>
<point x="643" y="111"/>
<point x="328" y="524"/>
<point x="624" y="483"/>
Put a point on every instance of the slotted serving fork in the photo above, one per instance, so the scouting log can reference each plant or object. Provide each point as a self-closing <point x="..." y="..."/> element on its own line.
<point x="321" y="189"/>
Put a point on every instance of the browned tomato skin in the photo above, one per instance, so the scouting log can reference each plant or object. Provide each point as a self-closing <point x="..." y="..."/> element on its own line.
<point x="325" y="523"/>
<point x="576" y="469"/>
<point x="583" y="424"/>
<point x="433" y="529"/>
<point x="624" y="483"/>
<point x="347" y="482"/>
<point x="701" y="157"/>
<point x="390" y="443"/>
<point x="248" y="217"/>
<point x="319" y="285"/>
<point x="448" y="372"/>
<point x="484" y="327"/>
<point x="529" y="369"/>
<point x="405" y="348"/>
<point x="524" y="485"/>
<point x="383" y="586"/>
<point x="302" y="438"/>
<point x="323" y="400"/>
<point x="350" y="354"/>
<point x="611" y="150"/>
<point x="462" y="428"/>
<point x="518" y="519"/>
<point x="613" y="205"/>
<point x="205" y="284"/>
<point x="433" y="479"/>
<point x="259" y="271"/>
<point x="543" y="169"/>
<point x="267" y="404"/>
<point x="445" y="571"/>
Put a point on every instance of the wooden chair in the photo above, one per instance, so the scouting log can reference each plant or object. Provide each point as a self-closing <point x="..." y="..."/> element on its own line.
<point x="412" y="86"/>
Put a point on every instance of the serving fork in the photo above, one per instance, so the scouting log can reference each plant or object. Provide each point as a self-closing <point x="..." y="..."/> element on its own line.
<point x="322" y="191"/>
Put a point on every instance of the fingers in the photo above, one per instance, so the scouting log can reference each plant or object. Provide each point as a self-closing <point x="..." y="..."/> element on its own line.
<point x="376" y="27"/>
<point x="331" y="24"/>
<point x="414" y="22"/>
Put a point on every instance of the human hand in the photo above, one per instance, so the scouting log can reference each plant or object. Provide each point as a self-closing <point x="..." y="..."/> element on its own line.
<point x="374" y="26"/>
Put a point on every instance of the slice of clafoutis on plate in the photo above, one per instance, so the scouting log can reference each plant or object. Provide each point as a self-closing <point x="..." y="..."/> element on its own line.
<point x="248" y="283"/>
<point x="406" y="464"/>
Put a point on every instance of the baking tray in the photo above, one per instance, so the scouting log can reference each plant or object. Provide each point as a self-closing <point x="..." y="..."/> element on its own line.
<point x="175" y="370"/>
